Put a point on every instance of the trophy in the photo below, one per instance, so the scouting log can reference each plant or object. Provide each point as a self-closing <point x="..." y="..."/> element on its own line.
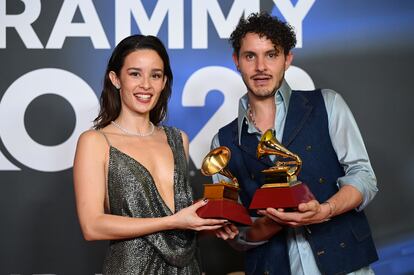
<point x="223" y="196"/>
<point x="281" y="189"/>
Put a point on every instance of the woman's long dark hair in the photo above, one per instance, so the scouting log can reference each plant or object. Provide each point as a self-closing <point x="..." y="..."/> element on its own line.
<point x="110" y="99"/>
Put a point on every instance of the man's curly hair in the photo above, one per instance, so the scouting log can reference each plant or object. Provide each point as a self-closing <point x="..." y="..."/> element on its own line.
<point x="280" y="33"/>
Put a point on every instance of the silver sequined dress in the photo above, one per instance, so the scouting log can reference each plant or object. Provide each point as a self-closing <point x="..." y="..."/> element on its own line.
<point x="132" y="193"/>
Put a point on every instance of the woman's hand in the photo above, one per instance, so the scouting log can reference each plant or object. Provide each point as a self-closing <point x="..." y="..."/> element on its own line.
<point x="187" y="218"/>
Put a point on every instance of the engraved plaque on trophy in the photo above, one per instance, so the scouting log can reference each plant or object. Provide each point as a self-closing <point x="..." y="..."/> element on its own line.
<point x="281" y="188"/>
<point x="223" y="196"/>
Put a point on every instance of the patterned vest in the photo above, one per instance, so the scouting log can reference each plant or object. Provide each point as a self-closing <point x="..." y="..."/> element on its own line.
<point x="342" y="245"/>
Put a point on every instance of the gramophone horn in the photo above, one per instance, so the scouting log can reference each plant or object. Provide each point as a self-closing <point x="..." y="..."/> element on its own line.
<point x="216" y="161"/>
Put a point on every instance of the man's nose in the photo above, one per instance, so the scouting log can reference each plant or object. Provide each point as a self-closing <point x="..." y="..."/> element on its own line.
<point x="260" y="64"/>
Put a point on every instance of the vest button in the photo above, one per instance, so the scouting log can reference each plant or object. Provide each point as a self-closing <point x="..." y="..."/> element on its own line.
<point x="321" y="180"/>
<point x="343" y="245"/>
<point x="308" y="148"/>
<point x="321" y="252"/>
<point x="266" y="273"/>
<point x="252" y="176"/>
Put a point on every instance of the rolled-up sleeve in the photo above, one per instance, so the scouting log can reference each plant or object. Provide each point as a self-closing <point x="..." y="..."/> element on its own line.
<point x="350" y="149"/>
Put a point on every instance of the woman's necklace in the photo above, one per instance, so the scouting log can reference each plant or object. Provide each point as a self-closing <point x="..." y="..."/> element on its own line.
<point x="129" y="133"/>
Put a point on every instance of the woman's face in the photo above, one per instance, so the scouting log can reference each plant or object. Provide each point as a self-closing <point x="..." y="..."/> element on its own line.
<point x="141" y="81"/>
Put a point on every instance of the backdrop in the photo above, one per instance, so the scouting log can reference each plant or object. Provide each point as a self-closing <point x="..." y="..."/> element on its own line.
<point x="53" y="56"/>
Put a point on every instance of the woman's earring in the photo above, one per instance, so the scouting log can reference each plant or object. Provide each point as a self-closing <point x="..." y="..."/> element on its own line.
<point x="117" y="87"/>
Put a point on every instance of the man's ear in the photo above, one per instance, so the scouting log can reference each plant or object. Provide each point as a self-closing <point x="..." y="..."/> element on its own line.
<point x="289" y="59"/>
<point x="236" y="60"/>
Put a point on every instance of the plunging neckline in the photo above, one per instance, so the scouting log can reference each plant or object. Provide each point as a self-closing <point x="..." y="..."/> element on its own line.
<point x="146" y="171"/>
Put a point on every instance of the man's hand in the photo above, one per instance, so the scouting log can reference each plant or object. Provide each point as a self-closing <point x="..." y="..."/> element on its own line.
<point x="262" y="229"/>
<point x="307" y="213"/>
<point x="227" y="232"/>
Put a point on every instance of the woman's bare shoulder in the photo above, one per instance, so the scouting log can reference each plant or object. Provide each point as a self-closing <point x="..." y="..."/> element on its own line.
<point x="91" y="135"/>
<point x="93" y="140"/>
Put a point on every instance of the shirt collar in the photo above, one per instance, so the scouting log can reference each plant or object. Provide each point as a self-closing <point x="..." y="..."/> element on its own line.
<point x="282" y="94"/>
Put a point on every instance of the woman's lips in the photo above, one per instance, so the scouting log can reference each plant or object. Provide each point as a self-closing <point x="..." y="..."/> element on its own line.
<point x="143" y="97"/>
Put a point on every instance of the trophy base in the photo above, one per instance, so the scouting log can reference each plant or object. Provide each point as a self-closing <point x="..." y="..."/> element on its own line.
<point x="225" y="209"/>
<point x="281" y="197"/>
<point x="222" y="190"/>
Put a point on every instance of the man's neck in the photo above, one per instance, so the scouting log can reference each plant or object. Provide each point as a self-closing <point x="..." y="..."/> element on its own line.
<point x="262" y="112"/>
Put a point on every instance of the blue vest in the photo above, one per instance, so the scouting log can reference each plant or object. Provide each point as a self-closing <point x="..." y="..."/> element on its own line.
<point x="341" y="245"/>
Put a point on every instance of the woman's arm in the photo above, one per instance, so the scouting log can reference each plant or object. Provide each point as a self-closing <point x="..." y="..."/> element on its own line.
<point x="90" y="191"/>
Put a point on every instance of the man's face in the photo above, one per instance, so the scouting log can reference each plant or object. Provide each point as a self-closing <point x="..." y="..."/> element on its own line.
<point x="261" y="65"/>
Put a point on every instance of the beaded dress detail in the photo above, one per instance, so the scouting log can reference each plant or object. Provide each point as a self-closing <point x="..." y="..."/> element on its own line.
<point x="132" y="192"/>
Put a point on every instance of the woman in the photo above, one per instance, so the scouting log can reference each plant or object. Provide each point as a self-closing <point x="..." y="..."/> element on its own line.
<point x="130" y="174"/>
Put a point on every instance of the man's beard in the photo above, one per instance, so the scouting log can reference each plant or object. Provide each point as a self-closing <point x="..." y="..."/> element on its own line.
<point x="263" y="93"/>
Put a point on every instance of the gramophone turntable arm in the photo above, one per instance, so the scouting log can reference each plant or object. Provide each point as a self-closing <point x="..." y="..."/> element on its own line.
<point x="296" y="164"/>
<point x="284" y="163"/>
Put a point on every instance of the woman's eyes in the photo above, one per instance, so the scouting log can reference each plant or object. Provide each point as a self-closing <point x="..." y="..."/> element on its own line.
<point x="157" y="76"/>
<point x="154" y="75"/>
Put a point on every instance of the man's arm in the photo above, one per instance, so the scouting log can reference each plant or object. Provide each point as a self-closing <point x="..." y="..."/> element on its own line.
<point x="356" y="188"/>
<point x="350" y="148"/>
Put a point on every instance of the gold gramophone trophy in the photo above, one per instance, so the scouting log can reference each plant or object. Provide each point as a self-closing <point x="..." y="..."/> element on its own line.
<point x="223" y="196"/>
<point x="281" y="188"/>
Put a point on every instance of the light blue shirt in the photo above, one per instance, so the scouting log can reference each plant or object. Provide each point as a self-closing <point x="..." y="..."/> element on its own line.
<point x="352" y="155"/>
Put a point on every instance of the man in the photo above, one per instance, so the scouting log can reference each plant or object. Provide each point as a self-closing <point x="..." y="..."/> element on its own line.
<point x="329" y="235"/>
